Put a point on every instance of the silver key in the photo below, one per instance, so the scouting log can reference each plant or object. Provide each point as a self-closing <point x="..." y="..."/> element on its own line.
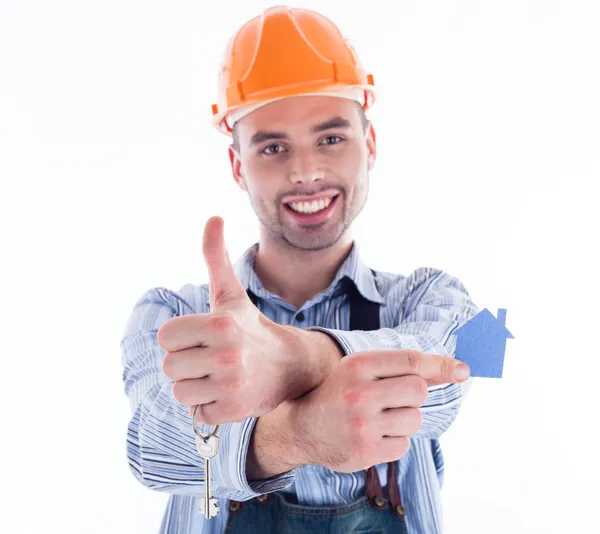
<point x="213" y="508"/>
<point x="207" y="449"/>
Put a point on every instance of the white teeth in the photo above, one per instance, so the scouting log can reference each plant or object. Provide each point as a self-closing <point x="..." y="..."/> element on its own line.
<point x="310" y="207"/>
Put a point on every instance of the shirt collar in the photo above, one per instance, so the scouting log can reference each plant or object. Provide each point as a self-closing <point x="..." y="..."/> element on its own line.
<point x="353" y="268"/>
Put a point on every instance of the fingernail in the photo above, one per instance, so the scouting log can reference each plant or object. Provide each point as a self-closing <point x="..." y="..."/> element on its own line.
<point x="461" y="370"/>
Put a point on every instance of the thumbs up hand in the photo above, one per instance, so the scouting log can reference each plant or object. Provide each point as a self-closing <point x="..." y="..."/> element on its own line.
<point x="233" y="361"/>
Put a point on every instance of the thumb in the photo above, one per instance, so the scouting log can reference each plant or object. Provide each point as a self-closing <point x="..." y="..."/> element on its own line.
<point x="224" y="284"/>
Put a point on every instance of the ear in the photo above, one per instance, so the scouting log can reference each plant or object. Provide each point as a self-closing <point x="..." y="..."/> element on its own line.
<point x="236" y="168"/>
<point x="371" y="141"/>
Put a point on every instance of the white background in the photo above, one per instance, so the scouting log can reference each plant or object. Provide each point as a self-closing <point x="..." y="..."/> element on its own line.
<point x="488" y="134"/>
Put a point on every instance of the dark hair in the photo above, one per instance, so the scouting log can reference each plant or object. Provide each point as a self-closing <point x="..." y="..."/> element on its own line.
<point x="236" y="139"/>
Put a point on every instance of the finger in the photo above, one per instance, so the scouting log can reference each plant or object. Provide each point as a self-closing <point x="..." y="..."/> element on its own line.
<point x="196" y="330"/>
<point x="204" y="390"/>
<point x="392" y="448"/>
<point x="221" y="412"/>
<point x="224" y="284"/>
<point x="396" y="422"/>
<point x="435" y="369"/>
<point x="215" y="412"/>
<point x="400" y="391"/>
<point x="198" y="362"/>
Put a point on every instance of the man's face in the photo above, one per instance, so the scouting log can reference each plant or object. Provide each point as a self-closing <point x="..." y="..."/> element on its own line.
<point x="305" y="163"/>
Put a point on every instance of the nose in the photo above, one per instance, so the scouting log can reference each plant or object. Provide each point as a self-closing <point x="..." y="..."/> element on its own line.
<point x="306" y="169"/>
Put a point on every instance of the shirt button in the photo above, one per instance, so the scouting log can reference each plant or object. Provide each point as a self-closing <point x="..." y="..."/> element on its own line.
<point x="300" y="317"/>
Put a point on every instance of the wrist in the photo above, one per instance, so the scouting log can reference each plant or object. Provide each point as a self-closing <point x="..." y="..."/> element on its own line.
<point x="311" y="355"/>
<point x="300" y="423"/>
<point x="275" y="448"/>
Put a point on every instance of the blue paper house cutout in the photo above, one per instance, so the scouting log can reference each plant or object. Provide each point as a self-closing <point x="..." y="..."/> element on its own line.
<point x="481" y="343"/>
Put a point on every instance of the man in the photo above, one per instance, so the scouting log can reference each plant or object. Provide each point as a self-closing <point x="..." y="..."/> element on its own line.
<point x="330" y="382"/>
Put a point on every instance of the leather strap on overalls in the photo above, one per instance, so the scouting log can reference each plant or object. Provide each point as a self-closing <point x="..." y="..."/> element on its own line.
<point x="364" y="315"/>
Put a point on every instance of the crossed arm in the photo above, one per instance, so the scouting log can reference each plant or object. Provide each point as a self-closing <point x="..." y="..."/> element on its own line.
<point x="160" y="442"/>
<point x="275" y="446"/>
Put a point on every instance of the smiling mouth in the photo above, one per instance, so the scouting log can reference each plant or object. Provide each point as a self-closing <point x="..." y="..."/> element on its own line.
<point x="311" y="207"/>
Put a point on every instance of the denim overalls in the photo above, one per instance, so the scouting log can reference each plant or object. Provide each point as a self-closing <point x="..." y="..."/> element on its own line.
<point x="374" y="513"/>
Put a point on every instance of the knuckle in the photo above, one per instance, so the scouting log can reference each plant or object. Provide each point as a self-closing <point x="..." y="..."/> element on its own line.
<point x="419" y="387"/>
<point x="230" y="358"/>
<point x="233" y="385"/>
<point x="446" y="369"/>
<point x="354" y="365"/>
<point x="363" y="450"/>
<point x="353" y="397"/>
<point x="223" y="323"/>
<point x="237" y="410"/>
<point x="358" y="426"/>
<point x="412" y="360"/>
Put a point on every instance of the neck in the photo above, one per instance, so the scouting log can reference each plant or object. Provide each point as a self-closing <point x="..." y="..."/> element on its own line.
<point x="298" y="275"/>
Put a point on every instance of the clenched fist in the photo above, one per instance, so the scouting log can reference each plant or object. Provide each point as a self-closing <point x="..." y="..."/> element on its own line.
<point x="365" y="411"/>
<point x="233" y="361"/>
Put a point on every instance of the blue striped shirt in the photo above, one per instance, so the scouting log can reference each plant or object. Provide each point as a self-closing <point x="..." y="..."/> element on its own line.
<point x="419" y="311"/>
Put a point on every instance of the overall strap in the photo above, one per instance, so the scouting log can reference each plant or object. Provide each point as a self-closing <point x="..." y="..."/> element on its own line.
<point x="252" y="297"/>
<point x="364" y="314"/>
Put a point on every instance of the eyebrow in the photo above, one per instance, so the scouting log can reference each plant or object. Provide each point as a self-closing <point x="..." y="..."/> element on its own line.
<point x="263" y="135"/>
<point x="336" y="122"/>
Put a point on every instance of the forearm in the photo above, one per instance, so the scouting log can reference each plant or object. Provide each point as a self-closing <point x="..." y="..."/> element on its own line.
<point x="275" y="447"/>
<point x="426" y="324"/>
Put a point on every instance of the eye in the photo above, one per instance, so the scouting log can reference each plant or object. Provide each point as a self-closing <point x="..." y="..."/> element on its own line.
<point x="332" y="140"/>
<point x="270" y="152"/>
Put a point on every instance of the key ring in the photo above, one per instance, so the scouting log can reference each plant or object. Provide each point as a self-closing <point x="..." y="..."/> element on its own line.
<point x="197" y="432"/>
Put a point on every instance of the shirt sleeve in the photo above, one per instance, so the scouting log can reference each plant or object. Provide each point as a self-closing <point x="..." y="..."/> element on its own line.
<point x="161" y="446"/>
<point x="435" y="305"/>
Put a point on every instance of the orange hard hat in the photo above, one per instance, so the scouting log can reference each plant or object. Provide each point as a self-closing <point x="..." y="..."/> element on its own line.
<point x="287" y="52"/>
